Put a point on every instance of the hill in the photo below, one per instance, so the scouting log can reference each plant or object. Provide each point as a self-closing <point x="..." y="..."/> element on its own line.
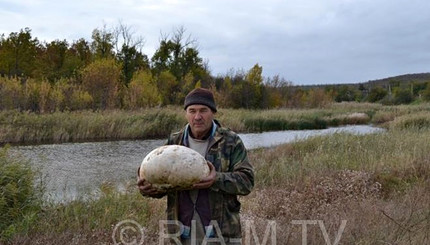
<point x="417" y="77"/>
<point x="384" y="82"/>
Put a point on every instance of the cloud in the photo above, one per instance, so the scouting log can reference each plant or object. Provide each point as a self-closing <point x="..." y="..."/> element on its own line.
<point x="306" y="41"/>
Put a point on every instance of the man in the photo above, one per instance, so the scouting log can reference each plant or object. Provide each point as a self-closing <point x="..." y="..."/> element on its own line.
<point x="210" y="211"/>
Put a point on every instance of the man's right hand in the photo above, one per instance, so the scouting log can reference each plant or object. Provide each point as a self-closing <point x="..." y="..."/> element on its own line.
<point x="146" y="188"/>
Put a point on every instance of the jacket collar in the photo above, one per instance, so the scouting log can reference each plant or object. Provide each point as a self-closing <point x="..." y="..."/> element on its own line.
<point x="187" y="132"/>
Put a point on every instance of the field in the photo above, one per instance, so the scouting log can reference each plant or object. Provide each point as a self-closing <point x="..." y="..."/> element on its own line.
<point x="337" y="189"/>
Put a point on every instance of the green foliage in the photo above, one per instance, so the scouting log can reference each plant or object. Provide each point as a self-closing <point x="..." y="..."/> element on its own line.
<point x="50" y="63"/>
<point x="177" y="55"/>
<point x="102" y="45"/>
<point x="132" y="60"/>
<point x="20" y="199"/>
<point x="426" y="92"/>
<point x="18" y="53"/>
<point x="376" y="94"/>
<point x="402" y="96"/>
<point x="346" y="93"/>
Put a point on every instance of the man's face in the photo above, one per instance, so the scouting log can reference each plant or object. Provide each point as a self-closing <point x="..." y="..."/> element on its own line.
<point x="200" y="119"/>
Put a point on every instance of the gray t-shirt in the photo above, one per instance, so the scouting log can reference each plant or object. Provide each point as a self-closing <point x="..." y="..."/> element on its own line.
<point x="201" y="147"/>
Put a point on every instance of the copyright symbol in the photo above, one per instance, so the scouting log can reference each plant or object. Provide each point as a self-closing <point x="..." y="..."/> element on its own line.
<point x="128" y="232"/>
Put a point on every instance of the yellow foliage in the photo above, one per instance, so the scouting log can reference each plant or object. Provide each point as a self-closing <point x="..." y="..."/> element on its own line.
<point x="142" y="91"/>
<point x="101" y="80"/>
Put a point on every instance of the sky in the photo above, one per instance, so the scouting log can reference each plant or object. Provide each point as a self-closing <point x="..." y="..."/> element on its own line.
<point x="302" y="41"/>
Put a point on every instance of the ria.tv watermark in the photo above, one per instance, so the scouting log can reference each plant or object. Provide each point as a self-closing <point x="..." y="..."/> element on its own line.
<point x="130" y="232"/>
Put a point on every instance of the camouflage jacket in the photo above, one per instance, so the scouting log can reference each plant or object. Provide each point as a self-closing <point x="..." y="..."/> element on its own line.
<point x="235" y="176"/>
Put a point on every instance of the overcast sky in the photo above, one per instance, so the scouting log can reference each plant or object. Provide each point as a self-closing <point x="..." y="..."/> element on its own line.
<point x="303" y="41"/>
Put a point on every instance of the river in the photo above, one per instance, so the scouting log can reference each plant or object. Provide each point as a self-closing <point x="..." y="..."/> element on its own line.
<point x="76" y="170"/>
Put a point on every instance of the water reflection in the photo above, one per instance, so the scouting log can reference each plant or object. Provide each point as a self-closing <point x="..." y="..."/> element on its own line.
<point x="74" y="170"/>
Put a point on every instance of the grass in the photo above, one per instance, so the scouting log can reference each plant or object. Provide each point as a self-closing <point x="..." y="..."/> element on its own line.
<point x="77" y="126"/>
<point x="20" y="200"/>
<point x="17" y="127"/>
<point x="378" y="183"/>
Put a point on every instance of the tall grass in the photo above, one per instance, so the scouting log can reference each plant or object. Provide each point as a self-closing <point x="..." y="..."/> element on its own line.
<point x="242" y="120"/>
<point x="20" y="198"/>
<point x="17" y="127"/>
<point x="31" y="128"/>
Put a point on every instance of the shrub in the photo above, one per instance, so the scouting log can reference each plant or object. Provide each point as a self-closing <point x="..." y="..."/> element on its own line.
<point x="19" y="197"/>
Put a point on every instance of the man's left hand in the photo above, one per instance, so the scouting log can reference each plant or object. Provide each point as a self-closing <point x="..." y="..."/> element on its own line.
<point x="207" y="181"/>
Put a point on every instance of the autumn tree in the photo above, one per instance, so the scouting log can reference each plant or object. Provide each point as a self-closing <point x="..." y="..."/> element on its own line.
<point x="277" y="92"/>
<point x="101" y="79"/>
<point x="253" y="87"/>
<point x="317" y="98"/>
<point x="142" y="91"/>
<point x="222" y="91"/>
<point x="168" y="87"/>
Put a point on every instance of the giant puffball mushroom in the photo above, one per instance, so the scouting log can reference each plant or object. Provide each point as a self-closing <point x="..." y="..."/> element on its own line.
<point x="173" y="167"/>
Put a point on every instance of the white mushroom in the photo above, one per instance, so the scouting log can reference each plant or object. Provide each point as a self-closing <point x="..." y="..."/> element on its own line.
<point x="173" y="167"/>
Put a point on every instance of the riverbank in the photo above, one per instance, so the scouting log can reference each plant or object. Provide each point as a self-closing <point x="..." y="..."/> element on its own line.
<point x="376" y="186"/>
<point x="83" y="126"/>
<point x="75" y="170"/>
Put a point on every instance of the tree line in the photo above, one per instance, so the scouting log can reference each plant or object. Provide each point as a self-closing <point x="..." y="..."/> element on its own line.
<point x="110" y="71"/>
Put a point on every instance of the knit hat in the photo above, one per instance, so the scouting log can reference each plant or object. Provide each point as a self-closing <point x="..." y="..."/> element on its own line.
<point x="200" y="96"/>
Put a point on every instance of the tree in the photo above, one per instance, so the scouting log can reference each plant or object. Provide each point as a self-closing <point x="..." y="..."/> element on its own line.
<point x="222" y="91"/>
<point x="346" y="93"/>
<point x="279" y="91"/>
<point x="18" y="53"/>
<point x="82" y="50"/>
<point x="402" y="96"/>
<point x="128" y="51"/>
<point x="252" y="87"/>
<point x="102" y="44"/>
<point x="50" y="61"/>
<point x="168" y="87"/>
<point x="177" y="55"/>
<point x="142" y="91"/>
<point x="101" y="79"/>
<point x="317" y="98"/>
<point x="376" y="94"/>
<point x="132" y="60"/>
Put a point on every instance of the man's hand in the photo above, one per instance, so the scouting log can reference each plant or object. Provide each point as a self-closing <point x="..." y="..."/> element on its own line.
<point x="207" y="181"/>
<point x="146" y="188"/>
